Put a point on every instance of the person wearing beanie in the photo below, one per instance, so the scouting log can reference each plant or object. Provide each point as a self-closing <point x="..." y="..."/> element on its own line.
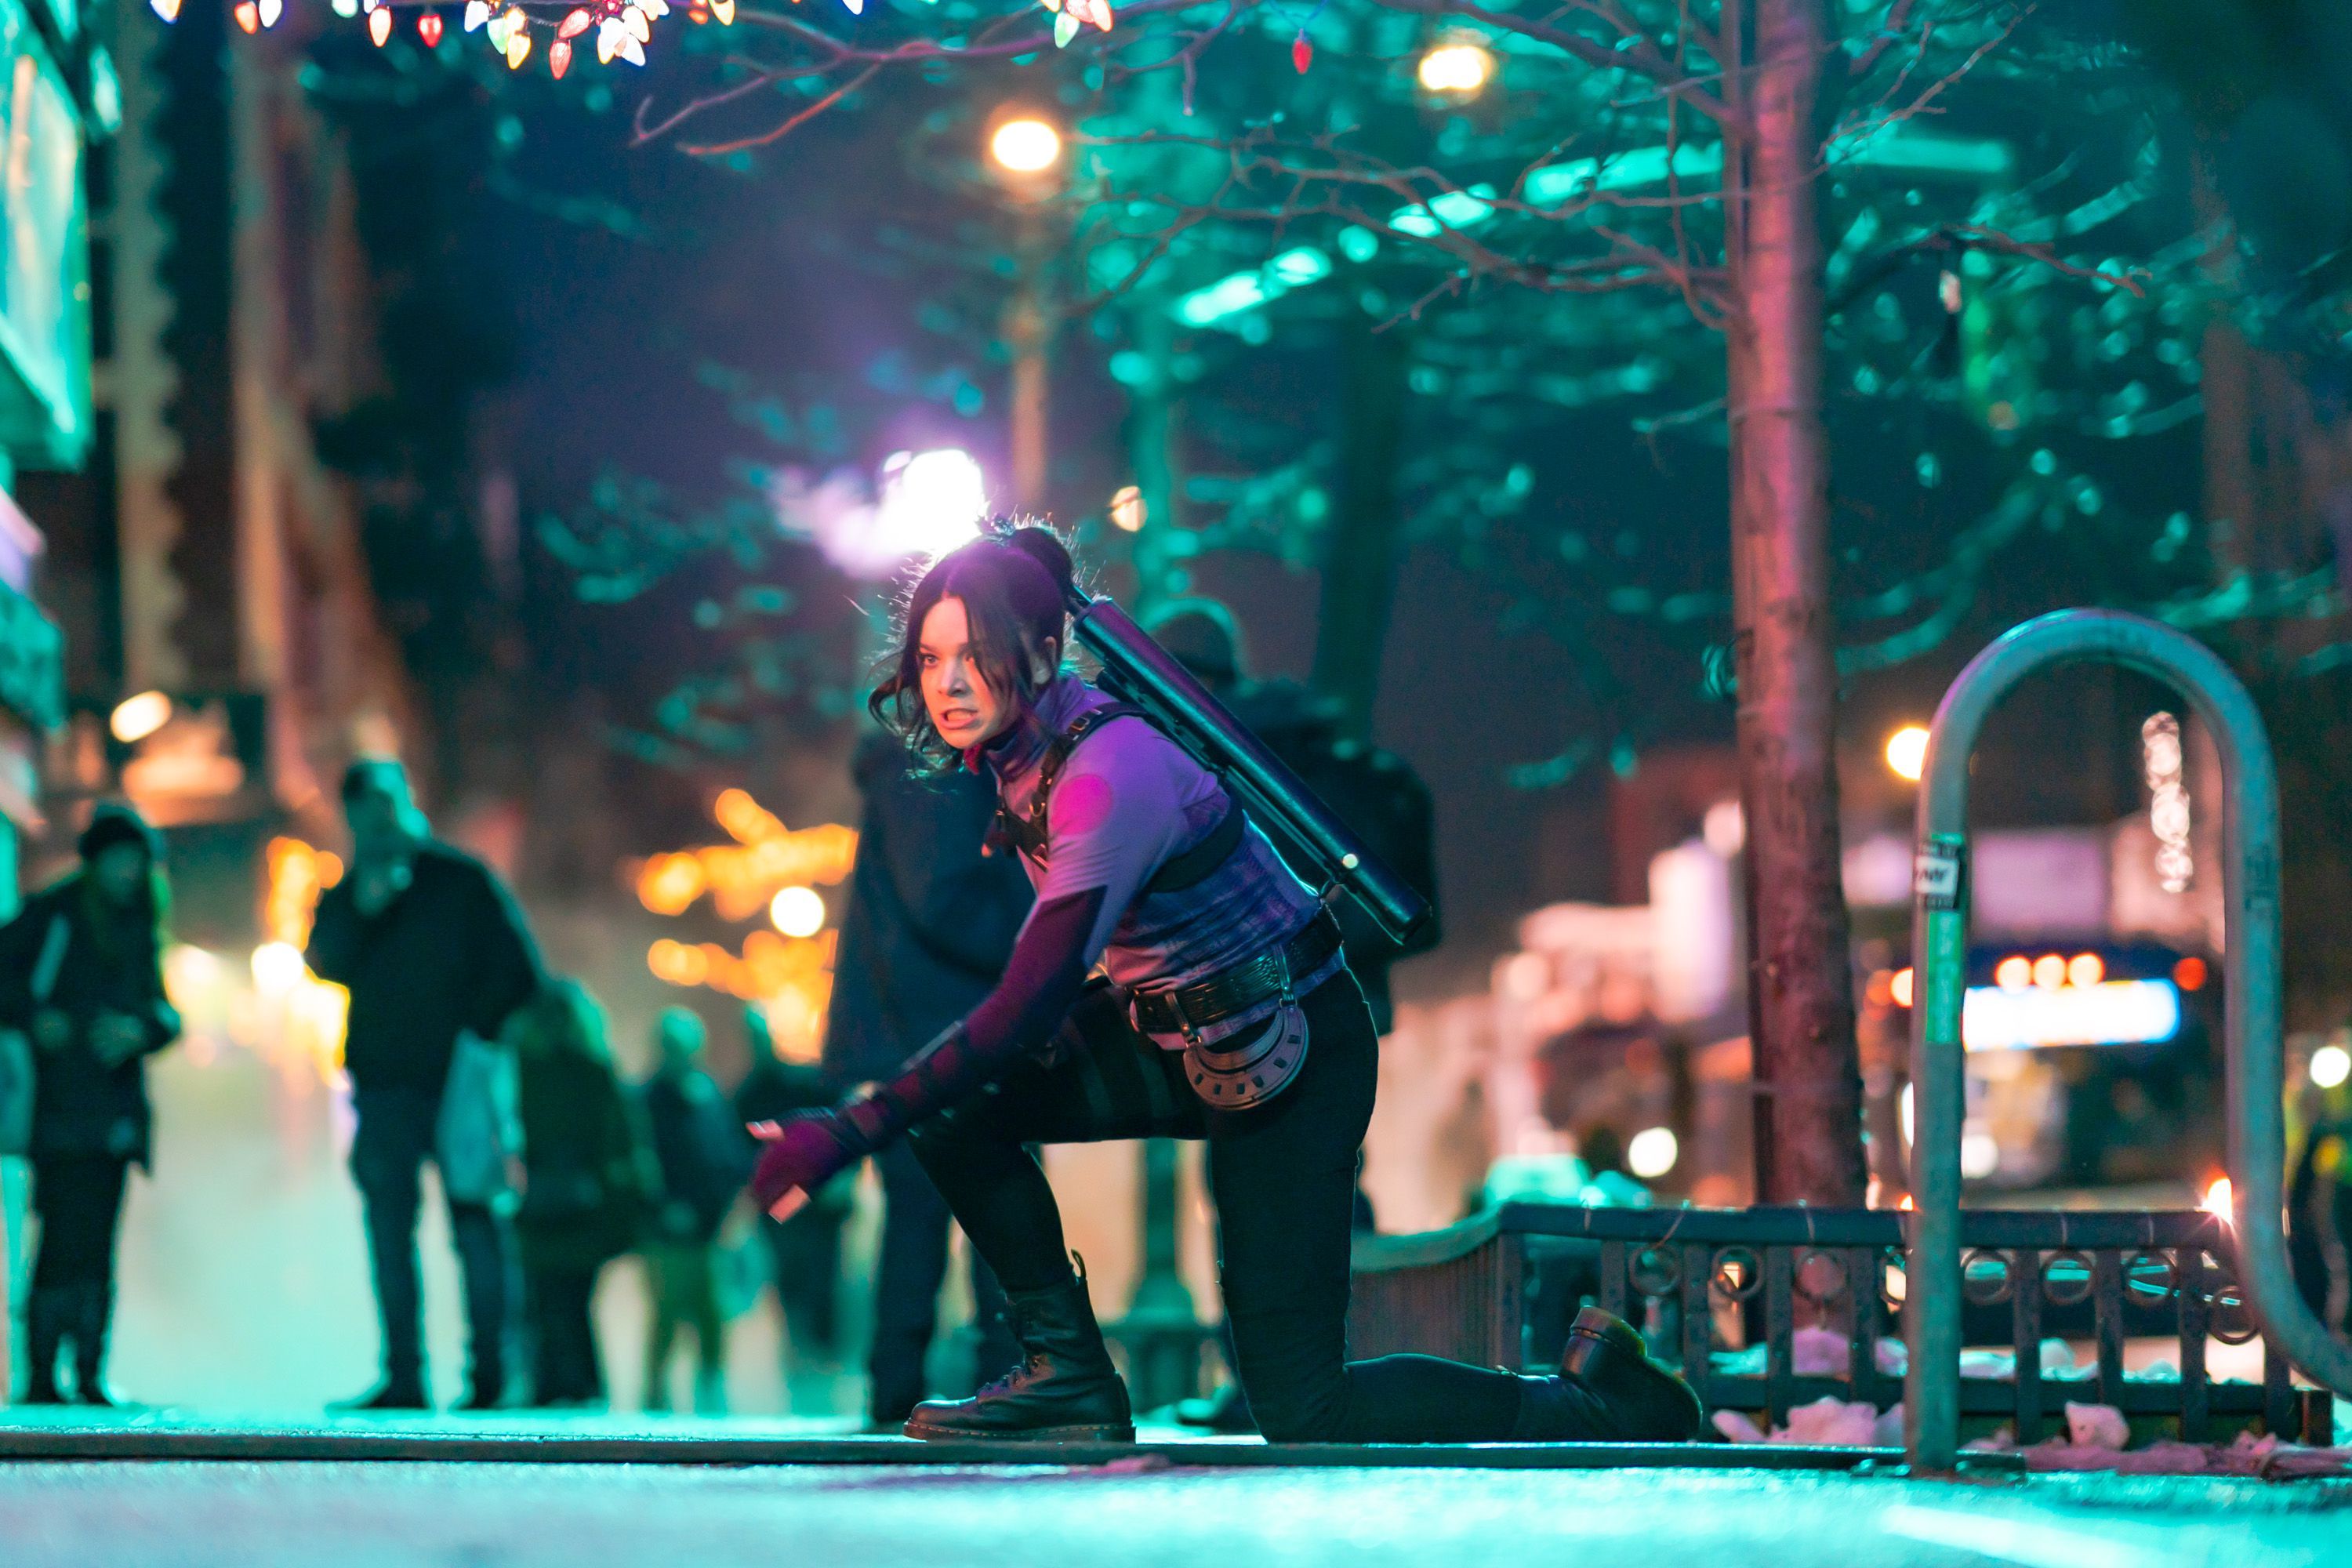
<point x="81" y="975"/>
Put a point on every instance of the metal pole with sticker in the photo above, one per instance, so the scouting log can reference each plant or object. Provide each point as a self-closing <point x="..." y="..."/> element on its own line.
<point x="1931" y="1297"/>
<point x="2252" y="993"/>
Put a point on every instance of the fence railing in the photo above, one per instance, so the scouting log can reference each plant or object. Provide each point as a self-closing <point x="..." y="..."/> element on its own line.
<point x="1500" y="1287"/>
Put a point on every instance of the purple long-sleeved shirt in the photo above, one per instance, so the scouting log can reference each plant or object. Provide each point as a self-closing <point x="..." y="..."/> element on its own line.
<point x="1126" y="801"/>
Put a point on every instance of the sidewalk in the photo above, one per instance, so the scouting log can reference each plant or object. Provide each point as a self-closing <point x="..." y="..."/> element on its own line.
<point x="1145" y="1511"/>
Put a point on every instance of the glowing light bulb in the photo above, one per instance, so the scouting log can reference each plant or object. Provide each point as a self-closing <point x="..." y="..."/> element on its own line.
<point x="640" y="27"/>
<point x="2330" y="1066"/>
<point x="380" y="26"/>
<point x="1460" y="68"/>
<point x="2015" y="972"/>
<point x="1025" y="146"/>
<point x="558" y="58"/>
<point x="2050" y="971"/>
<point x="797" y="911"/>
<point x="346" y="8"/>
<point x="428" y="28"/>
<point x="270" y="11"/>
<point x="725" y="11"/>
<point x="476" y="12"/>
<point x="518" y="47"/>
<point x="2218" y="1200"/>
<point x="248" y="15"/>
<point x="574" y="24"/>
<point x="1652" y="1153"/>
<point x="1127" y="511"/>
<point x="1906" y="752"/>
<point x="2085" y="969"/>
<point x="276" y="967"/>
<point x="136" y="718"/>
<point x="931" y="502"/>
<point x="1901" y="987"/>
<point x="167" y="9"/>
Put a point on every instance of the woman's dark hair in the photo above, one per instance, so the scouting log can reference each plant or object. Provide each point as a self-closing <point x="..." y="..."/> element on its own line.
<point x="1014" y="583"/>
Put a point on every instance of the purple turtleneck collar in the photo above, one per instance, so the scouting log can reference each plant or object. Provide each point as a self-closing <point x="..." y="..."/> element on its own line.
<point x="1020" y="747"/>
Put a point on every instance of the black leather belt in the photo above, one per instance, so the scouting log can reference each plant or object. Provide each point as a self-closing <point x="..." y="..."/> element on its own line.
<point x="1239" y="988"/>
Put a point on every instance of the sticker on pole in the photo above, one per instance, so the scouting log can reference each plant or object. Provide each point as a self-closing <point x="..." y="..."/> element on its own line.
<point x="1936" y="874"/>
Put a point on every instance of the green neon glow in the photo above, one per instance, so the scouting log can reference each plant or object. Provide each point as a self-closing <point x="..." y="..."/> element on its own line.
<point x="1235" y="296"/>
<point x="1455" y="209"/>
<point x="1901" y="149"/>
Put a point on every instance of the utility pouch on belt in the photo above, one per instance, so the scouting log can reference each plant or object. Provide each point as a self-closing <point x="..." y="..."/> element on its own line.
<point x="1252" y="1067"/>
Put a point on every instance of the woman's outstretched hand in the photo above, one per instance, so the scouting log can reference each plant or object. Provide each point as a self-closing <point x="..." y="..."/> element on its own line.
<point x="800" y="1154"/>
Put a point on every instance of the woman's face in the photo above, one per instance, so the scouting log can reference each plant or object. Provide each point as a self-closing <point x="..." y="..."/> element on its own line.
<point x="963" y="709"/>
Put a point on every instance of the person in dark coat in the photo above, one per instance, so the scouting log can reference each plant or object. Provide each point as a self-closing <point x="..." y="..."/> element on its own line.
<point x="929" y="924"/>
<point x="81" y="975"/>
<point x="805" y="1251"/>
<point x="1374" y="792"/>
<point x="590" y="1182"/>
<point x="704" y="1158"/>
<point x="430" y="947"/>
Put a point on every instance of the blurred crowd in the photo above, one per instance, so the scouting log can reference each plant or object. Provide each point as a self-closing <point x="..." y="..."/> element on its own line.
<point x="461" y="1053"/>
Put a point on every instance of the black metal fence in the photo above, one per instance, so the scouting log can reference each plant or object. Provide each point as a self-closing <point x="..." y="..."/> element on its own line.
<point x="1499" y="1288"/>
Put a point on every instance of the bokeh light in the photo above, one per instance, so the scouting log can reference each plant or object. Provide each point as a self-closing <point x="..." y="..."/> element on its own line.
<point x="1906" y="752"/>
<point x="1026" y="145"/>
<point x="1461" y="69"/>
<point x="797" y="911"/>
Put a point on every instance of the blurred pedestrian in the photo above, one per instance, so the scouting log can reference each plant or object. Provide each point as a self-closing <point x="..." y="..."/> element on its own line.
<point x="435" y="957"/>
<point x="930" y="922"/>
<point x="589" y="1187"/>
<point x="804" y="1250"/>
<point x="81" y="975"/>
<point x="703" y="1157"/>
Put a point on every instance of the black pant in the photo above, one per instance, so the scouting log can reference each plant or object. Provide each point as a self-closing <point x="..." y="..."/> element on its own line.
<point x="1284" y="1177"/>
<point x="806" y="1251"/>
<point x="395" y="1137"/>
<point x="79" y="1199"/>
<point x="913" y="1266"/>
<point x="565" y="1367"/>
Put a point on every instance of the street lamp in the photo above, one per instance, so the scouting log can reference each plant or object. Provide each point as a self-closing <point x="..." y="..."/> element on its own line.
<point x="1906" y="752"/>
<point x="1457" y="69"/>
<point x="1025" y="148"/>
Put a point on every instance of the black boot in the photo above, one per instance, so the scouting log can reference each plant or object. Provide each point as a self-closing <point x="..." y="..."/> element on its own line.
<point x="1064" y="1390"/>
<point x="1228" y="1411"/>
<point x="47" y="1311"/>
<point x="486" y="1384"/>
<point x="1608" y="1391"/>
<point x="399" y="1390"/>
<point x="93" y="1312"/>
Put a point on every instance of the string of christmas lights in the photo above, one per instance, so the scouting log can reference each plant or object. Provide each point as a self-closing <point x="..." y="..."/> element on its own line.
<point x="623" y="27"/>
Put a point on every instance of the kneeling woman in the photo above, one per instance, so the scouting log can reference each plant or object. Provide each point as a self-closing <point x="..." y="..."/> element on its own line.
<point x="1230" y="1015"/>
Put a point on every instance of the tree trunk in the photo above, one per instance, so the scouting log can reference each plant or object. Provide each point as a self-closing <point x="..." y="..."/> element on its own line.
<point x="1801" y="999"/>
<point x="1360" y="558"/>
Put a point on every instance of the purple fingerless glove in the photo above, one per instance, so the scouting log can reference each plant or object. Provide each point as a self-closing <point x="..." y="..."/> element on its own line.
<point x="813" y="1147"/>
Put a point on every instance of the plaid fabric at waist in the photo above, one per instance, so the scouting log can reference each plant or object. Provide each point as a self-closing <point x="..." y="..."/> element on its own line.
<point x="1243" y="987"/>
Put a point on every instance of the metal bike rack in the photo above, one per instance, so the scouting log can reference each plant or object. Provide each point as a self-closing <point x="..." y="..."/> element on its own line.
<point x="2254" y="1045"/>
